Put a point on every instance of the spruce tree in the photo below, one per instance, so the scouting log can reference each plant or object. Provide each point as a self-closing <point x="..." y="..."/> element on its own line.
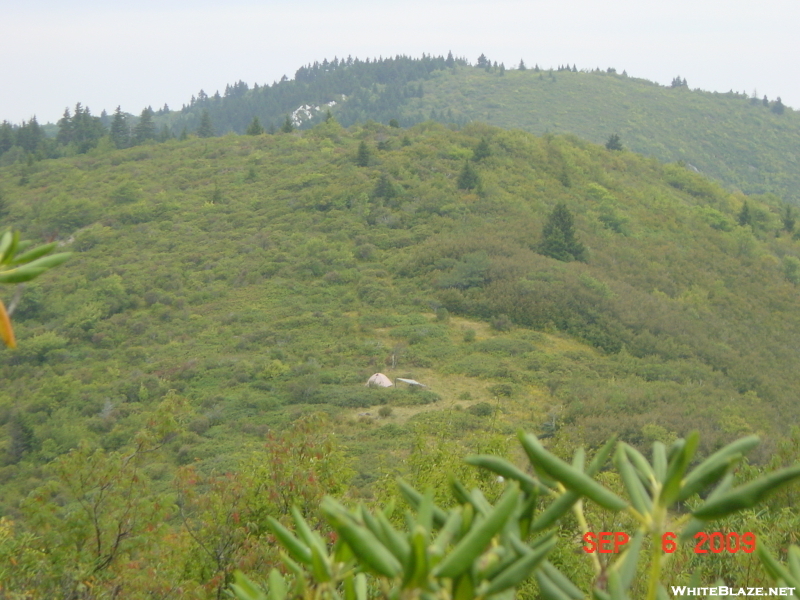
<point x="745" y="216"/>
<point x="287" y="126"/>
<point x="120" y="133"/>
<point x="558" y="236"/>
<point x="363" y="155"/>
<point x="522" y="66"/>
<point x="255" y="127"/>
<point x="206" y="129"/>
<point x="482" y="150"/>
<point x="788" y="218"/>
<point x="614" y="142"/>
<point x="65" y="128"/>
<point x="468" y="179"/>
<point x="145" y="129"/>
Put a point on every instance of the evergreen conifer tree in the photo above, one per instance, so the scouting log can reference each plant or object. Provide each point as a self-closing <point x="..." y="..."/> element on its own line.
<point x="120" y="133"/>
<point x="522" y="66"/>
<point x="255" y="127"/>
<point x="206" y="129"/>
<point x="558" y="236"/>
<point x="482" y="150"/>
<point x="745" y="216"/>
<point x="65" y="129"/>
<point x="778" y="107"/>
<point x="788" y="218"/>
<point x="384" y="188"/>
<point x="165" y="134"/>
<point x="468" y="179"/>
<point x="145" y="129"/>
<point x="363" y="155"/>
<point x="614" y="142"/>
<point x="287" y="126"/>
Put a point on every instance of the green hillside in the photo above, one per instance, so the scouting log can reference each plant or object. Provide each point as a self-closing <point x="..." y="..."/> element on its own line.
<point x="730" y="137"/>
<point x="749" y="144"/>
<point x="198" y="365"/>
<point x="265" y="277"/>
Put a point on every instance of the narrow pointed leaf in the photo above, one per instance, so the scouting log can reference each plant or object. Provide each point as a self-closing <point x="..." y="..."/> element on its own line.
<point x="772" y="566"/>
<point x="504" y="468"/>
<point x="6" y="330"/>
<point x="615" y="588"/>
<point x="8" y="246"/>
<point x="626" y="564"/>
<point x="519" y="571"/>
<point x="395" y="542"/>
<point x="561" y="580"/>
<point x="794" y="562"/>
<point x="633" y="485"/>
<point x="450" y="529"/>
<point x="746" y="496"/>
<point x="643" y="468"/>
<point x="557" y="509"/>
<point x="5" y="244"/>
<point x="295" y="547"/>
<point x="479" y="536"/>
<point x="569" y="476"/>
<point x="21" y="274"/>
<point x="48" y="262"/>
<point x="361" y="540"/>
<point x="244" y="589"/>
<point x="549" y="590"/>
<point x="21" y="259"/>
<point x="277" y="585"/>
<point x="320" y="565"/>
<point x="695" y="525"/>
<point x="715" y="466"/>
<point x="414" y="498"/>
<point x="601" y="457"/>
<point x="680" y="456"/>
<point x="425" y="511"/>
<point x="306" y="534"/>
<point x="361" y="587"/>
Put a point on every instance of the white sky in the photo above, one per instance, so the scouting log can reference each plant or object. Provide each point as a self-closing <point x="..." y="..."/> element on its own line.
<point x="54" y="53"/>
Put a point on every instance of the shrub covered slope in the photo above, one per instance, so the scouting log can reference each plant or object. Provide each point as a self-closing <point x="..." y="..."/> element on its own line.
<point x="262" y="277"/>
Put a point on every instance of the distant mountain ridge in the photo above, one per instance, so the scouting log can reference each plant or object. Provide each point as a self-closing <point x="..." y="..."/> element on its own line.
<point x="750" y="144"/>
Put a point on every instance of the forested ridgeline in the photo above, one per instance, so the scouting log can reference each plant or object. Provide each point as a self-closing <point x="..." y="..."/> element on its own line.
<point x="745" y="140"/>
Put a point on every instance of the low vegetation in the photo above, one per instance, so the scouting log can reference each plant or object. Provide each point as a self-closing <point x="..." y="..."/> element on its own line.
<point x="222" y="290"/>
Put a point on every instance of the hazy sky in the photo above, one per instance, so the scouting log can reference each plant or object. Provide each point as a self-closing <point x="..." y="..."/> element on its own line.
<point x="55" y="53"/>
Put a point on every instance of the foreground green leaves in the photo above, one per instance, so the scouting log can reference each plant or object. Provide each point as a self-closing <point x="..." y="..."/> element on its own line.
<point x="476" y="549"/>
<point x="19" y="264"/>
